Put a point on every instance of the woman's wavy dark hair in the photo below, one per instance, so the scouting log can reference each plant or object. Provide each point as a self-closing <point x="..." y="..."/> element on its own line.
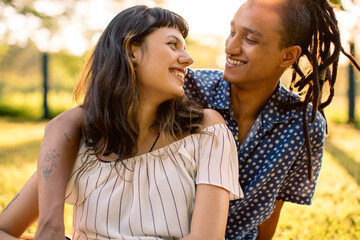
<point x="312" y="25"/>
<point x="109" y="85"/>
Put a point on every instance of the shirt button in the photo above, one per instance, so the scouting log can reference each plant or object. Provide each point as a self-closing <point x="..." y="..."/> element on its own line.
<point x="236" y="138"/>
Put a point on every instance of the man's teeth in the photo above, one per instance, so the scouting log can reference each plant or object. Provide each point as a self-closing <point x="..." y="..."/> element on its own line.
<point x="179" y="74"/>
<point x="235" y="62"/>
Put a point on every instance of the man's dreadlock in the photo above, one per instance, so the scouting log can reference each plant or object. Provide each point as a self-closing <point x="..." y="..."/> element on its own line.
<point x="312" y="25"/>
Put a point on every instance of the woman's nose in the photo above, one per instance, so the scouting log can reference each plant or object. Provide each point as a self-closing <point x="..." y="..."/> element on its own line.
<point x="185" y="58"/>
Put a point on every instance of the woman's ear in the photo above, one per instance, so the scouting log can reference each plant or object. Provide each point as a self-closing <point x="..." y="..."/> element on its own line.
<point x="135" y="54"/>
<point x="291" y="55"/>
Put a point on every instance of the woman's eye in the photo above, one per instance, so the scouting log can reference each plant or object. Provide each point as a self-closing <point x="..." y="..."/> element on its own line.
<point x="172" y="44"/>
<point x="232" y="33"/>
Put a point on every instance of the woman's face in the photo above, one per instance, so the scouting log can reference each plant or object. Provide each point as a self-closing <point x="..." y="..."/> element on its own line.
<point x="161" y="67"/>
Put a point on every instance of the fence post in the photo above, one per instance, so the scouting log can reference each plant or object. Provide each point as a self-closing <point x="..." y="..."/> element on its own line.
<point x="352" y="86"/>
<point x="45" y="60"/>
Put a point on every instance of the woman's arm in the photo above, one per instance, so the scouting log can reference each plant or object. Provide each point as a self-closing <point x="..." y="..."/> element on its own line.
<point x="21" y="212"/>
<point x="46" y="188"/>
<point x="211" y="202"/>
<point x="58" y="152"/>
<point x="210" y="213"/>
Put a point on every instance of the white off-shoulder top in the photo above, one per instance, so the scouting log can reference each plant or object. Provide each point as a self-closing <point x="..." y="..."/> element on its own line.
<point x="151" y="196"/>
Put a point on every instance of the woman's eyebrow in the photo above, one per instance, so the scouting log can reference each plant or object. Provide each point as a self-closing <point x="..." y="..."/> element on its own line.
<point x="173" y="36"/>
<point x="177" y="39"/>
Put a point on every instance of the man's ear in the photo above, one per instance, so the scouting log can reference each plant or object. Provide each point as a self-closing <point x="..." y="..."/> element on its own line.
<point x="135" y="54"/>
<point x="291" y="54"/>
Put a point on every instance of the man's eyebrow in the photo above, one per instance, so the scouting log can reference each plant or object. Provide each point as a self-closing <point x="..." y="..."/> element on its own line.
<point x="252" y="31"/>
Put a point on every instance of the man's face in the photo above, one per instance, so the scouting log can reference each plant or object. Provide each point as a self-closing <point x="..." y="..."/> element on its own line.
<point x="253" y="46"/>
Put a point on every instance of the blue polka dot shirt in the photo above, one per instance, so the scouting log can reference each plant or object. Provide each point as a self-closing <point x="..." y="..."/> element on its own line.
<point x="272" y="157"/>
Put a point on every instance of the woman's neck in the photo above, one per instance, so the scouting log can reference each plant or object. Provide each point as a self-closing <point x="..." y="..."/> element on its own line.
<point x="146" y="117"/>
<point x="147" y="135"/>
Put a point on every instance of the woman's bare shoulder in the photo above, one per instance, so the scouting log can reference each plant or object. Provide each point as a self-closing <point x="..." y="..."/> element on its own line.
<point x="73" y="118"/>
<point x="212" y="117"/>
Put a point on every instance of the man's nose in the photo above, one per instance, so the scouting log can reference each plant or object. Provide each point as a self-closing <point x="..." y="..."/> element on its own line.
<point x="233" y="45"/>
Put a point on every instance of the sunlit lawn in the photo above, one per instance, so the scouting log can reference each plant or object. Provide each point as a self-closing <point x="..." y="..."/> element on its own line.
<point x="334" y="214"/>
<point x="19" y="145"/>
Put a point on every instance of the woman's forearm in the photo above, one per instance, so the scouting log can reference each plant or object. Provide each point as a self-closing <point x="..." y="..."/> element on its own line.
<point x="210" y="213"/>
<point x="21" y="212"/>
<point x="58" y="152"/>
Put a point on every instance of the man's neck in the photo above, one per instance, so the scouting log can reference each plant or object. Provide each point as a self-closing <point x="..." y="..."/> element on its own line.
<point x="248" y="103"/>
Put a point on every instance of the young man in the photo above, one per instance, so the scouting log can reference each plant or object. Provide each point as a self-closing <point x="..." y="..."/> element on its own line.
<point x="270" y="138"/>
<point x="280" y="137"/>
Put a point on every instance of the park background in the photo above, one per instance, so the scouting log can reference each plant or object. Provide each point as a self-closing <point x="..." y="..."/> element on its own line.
<point x="52" y="38"/>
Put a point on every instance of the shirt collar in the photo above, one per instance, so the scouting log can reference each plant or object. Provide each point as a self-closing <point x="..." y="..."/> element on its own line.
<point x="273" y="113"/>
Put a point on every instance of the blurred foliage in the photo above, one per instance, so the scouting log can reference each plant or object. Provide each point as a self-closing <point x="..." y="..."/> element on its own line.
<point x="205" y="56"/>
<point x="26" y="7"/>
<point x="336" y="2"/>
<point x="20" y="69"/>
<point x="21" y="77"/>
<point x="21" y="80"/>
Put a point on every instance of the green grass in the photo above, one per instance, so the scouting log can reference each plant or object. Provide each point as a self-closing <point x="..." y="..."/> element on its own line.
<point x="334" y="213"/>
<point x="30" y="105"/>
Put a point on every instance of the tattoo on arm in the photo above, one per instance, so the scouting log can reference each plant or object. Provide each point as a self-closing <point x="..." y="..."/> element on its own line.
<point x="67" y="138"/>
<point x="13" y="200"/>
<point x="49" y="162"/>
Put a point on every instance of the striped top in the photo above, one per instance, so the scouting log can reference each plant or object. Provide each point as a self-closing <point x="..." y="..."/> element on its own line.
<point x="151" y="196"/>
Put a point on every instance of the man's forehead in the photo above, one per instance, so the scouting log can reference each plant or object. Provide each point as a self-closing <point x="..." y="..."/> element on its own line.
<point x="266" y="5"/>
<point x="265" y="2"/>
<point x="262" y="7"/>
<point x="260" y="16"/>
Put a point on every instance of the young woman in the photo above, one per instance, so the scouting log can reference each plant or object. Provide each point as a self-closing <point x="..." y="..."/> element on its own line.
<point x="152" y="164"/>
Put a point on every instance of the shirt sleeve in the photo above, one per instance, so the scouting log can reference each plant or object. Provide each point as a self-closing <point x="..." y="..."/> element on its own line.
<point x="296" y="187"/>
<point x="200" y="85"/>
<point x="218" y="161"/>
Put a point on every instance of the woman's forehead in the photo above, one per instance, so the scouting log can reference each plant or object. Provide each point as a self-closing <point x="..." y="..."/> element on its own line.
<point x="167" y="32"/>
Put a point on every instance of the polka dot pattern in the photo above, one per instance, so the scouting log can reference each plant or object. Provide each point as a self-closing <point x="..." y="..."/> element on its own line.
<point x="272" y="158"/>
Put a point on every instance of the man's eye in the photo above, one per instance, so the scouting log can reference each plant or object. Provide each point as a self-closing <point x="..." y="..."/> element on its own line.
<point x="249" y="40"/>
<point x="232" y="33"/>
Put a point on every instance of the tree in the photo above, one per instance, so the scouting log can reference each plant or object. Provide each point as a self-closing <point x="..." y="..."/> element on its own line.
<point x="54" y="25"/>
